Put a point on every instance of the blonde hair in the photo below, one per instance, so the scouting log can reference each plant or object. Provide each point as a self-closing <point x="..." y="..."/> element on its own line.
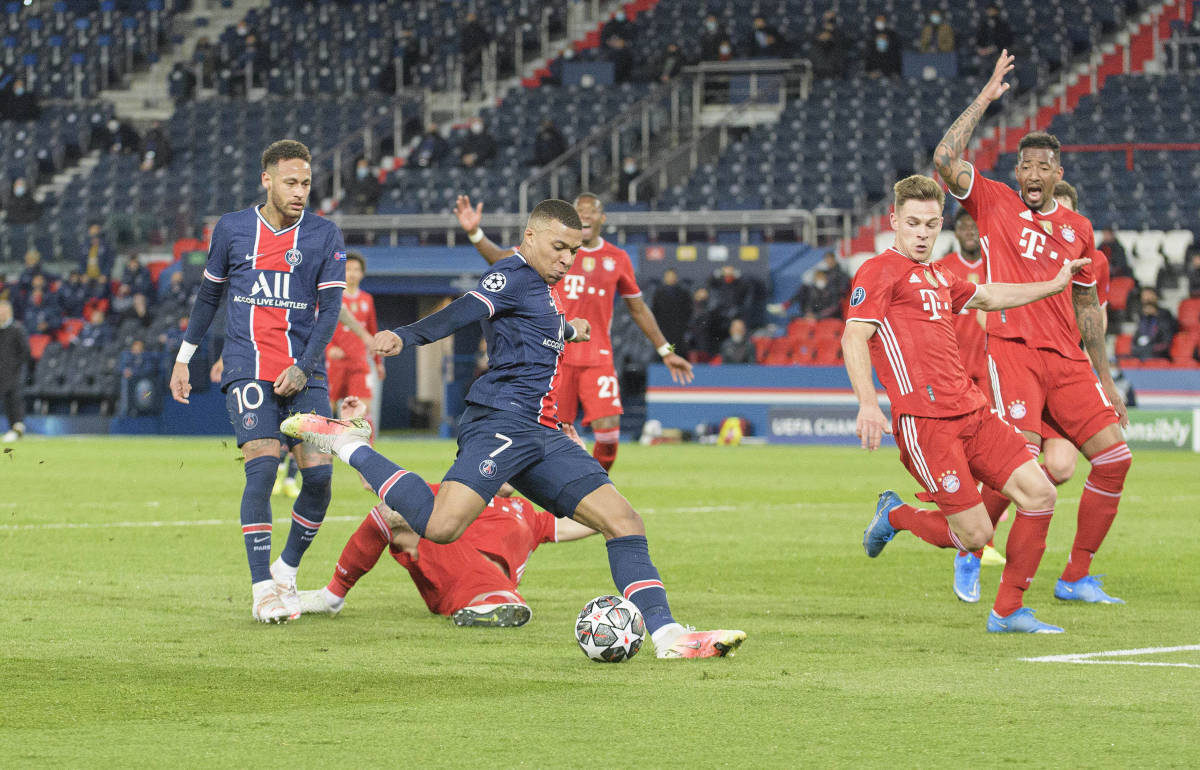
<point x="1068" y="191"/>
<point x="918" y="188"/>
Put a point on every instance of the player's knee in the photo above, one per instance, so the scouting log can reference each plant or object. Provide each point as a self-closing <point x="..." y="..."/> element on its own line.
<point x="444" y="529"/>
<point x="623" y="522"/>
<point x="1060" y="469"/>
<point x="1041" y="497"/>
<point x="976" y="537"/>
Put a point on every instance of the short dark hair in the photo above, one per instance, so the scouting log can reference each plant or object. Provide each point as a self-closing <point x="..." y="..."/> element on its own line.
<point x="356" y="256"/>
<point x="593" y="197"/>
<point x="284" y="149"/>
<point x="960" y="214"/>
<point x="1040" y="140"/>
<point x="554" y="210"/>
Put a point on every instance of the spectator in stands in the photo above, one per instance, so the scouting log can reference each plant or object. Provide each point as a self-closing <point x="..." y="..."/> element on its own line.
<point x="33" y="267"/>
<point x="1155" y="328"/>
<point x="828" y="54"/>
<point x="72" y="295"/>
<point x="737" y="347"/>
<point x="822" y="298"/>
<point x="42" y="315"/>
<point x="97" y="332"/>
<point x="98" y="294"/>
<point x="630" y="171"/>
<point x="671" y="64"/>
<point x="620" y="52"/>
<point x="181" y="83"/>
<point x="701" y="336"/>
<point x="156" y="148"/>
<point x="1193" y="272"/>
<point x="765" y="40"/>
<point x="731" y="295"/>
<point x="207" y="56"/>
<point x="18" y="102"/>
<point x="22" y="208"/>
<point x="430" y="150"/>
<point x="138" y="277"/>
<point x="116" y="137"/>
<point x="479" y="147"/>
<point x="548" y="144"/>
<point x="175" y="295"/>
<point x="993" y="34"/>
<point x="362" y="190"/>
<point x="937" y="36"/>
<point x="14" y="354"/>
<point x="672" y="306"/>
<point x="137" y="315"/>
<point x="258" y="58"/>
<point x="139" y="380"/>
<point x="715" y="43"/>
<point x="837" y="277"/>
<point x="1118" y="262"/>
<point x="473" y="39"/>
<point x="122" y="301"/>
<point x="883" y="57"/>
<point x="97" y="256"/>
<point x="619" y="26"/>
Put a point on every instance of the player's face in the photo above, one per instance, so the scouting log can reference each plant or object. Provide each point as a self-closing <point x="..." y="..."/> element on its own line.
<point x="1064" y="201"/>
<point x="967" y="233"/>
<point x="917" y="224"/>
<point x="551" y="250"/>
<point x="1038" y="170"/>
<point x="592" y="217"/>
<point x="354" y="274"/>
<point x="288" y="184"/>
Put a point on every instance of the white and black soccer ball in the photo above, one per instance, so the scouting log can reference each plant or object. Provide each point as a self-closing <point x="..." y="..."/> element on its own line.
<point x="610" y="629"/>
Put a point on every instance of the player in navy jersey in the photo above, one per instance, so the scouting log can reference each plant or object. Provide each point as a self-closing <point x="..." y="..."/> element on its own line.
<point x="509" y="431"/>
<point x="285" y="270"/>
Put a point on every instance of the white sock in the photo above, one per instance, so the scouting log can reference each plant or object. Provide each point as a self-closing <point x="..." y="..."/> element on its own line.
<point x="666" y="636"/>
<point x="345" y="450"/>
<point x="284" y="570"/>
<point x="334" y="601"/>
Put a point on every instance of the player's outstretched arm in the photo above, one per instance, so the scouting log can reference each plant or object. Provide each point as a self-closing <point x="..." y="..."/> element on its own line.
<point x="1000" y="296"/>
<point x="870" y="424"/>
<point x="947" y="158"/>
<point x="469" y="218"/>
<point x="1089" y="317"/>
<point x="643" y="316"/>
<point x="566" y="530"/>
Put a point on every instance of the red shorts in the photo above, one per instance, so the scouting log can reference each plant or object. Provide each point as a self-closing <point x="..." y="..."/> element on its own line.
<point x="949" y="454"/>
<point x="596" y="387"/>
<point x="347" y="379"/>
<point x="1035" y="386"/>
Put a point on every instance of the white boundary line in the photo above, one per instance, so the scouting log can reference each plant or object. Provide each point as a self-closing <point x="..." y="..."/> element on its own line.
<point x="1091" y="657"/>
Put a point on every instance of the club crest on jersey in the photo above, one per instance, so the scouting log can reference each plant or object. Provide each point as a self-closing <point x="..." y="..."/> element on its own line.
<point x="1068" y="234"/>
<point x="1016" y="410"/>
<point x="487" y="468"/>
<point x="494" y="282"/>
<point x="589" y="264"/>
<point x="249" y="420"/>
<point x="858" y="296"/>
<point x="949" y="482"/>
<point x="609" y="263"/>
<point x="293" y="257"/>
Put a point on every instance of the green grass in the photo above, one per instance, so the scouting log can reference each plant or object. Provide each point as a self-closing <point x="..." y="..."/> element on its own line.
<point x="126" y="644"/>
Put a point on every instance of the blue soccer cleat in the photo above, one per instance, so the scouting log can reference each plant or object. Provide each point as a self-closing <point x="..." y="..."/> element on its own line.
<point x="966" y="577"/>
<point x="880" y="531"/>
<point x="1020" y="622"/>
<point x="1085" y="589"/>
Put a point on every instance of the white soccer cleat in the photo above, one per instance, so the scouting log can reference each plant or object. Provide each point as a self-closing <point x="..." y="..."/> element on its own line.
<point x="10" y="437"/>
<point x="317" y="603"/>
<point x="285" y="588"/>
<point x="269" y="607"/>
<point x="326" y="433"/>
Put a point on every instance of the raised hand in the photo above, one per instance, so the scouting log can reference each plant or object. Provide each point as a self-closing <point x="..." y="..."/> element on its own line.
<point x="996" y="87"/>
<point x="468" y="217"/>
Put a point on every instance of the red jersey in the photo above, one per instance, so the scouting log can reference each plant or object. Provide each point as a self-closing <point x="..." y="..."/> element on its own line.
<point x="968" y="326"/>
<point x="362" y="306"/>
<point x="508" y="531"/>
<point x="915" y="351"/>
<point x="591" y="287"/>
<point x="1023" y="246"/>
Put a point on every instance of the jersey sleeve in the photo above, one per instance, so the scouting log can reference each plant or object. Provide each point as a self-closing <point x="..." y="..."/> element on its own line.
<point x="627" y="285"/>
<point x="333" y="267"/>
<point x="216" y="269"/>
<point x="981" y="194"/>
<point x="870" y="294"/>
<point x="961" y="290"/>
<point x="501" y="289"/>
<point x="545" y="527"/>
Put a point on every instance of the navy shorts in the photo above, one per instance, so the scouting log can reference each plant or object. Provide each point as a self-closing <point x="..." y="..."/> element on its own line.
<point x="256" y="411"/>
<point x="495" y="446"/>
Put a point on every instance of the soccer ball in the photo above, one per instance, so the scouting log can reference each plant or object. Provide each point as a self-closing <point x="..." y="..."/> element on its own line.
<point x="610" y="629"/>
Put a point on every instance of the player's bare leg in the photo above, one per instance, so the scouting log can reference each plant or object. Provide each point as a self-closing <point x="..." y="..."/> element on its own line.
<point x="1034" y="497"/>
<point x="607" y="511"/>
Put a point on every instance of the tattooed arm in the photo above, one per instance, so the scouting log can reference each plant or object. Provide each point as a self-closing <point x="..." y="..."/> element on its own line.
<point x="1089" y="317"/>
<point x="947" y="158"/>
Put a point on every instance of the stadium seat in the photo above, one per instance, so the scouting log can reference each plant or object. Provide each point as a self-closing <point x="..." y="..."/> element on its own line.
<point x="37" y="345"/>
<point x="1123" y="345"/>
<point x="1183" y="349"/>
<point x="828" y="352"/>
<point x="1189" y="314"/>
<point x="801" y="328"/>
<point x="828" y="328"/>
<point x="1118" y="292"/>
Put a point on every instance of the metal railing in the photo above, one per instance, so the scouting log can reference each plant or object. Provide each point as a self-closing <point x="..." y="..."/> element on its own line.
<point x="366" y="141"/>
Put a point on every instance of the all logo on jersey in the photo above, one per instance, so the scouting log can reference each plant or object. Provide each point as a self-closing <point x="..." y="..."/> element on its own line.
<point x="1068" y="234"/>
<point x="589" y="264"/>
<point x="487" y="468"/>
<point x="858" y="296"/>
<point x="1016" y="410"/>
<point x="280" y="288"/>
<point x="609" y="263"/>
<point x="949" y="481"/>
<point x="494" y="282"/>
<point x="293" y="257"/>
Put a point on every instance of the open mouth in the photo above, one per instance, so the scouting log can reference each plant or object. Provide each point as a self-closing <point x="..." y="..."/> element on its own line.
<point x="1033" y="193"/>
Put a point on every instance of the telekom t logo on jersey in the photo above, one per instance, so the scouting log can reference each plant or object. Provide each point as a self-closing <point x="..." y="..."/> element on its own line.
<point x="281" y="289"/>
<point x="1033" y="243"/>
<point x="573" y="285"/>
<point x="930" y="303"/>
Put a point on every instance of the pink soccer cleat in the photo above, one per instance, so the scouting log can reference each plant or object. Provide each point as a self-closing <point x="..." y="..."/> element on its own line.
<point x="326" y="433"/>
<point x="703" y="644"/>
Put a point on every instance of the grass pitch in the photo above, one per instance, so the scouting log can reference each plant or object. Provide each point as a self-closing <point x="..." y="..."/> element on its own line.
<point x="127" y="637"/>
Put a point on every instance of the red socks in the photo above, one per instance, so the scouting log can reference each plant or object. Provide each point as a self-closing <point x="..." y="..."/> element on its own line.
<point x="930" y="526"/>
<point x="1026" y="544"/>
<point x="1098" y="507"/>
<point x="361" y="553"/>
<point x="605" y="450"/>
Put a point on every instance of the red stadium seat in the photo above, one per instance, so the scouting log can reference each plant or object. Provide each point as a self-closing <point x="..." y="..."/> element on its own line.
<point x="1118" y="292"/>
<point x="828" y="352"/>
<point x="68" y="331"/>
<point x="715" y="361"/>
<point x="1124" y="346"/>
<point x="802" y="353"/>
<point x="780" y="352"/>
<point x="188" y="244"/>
<point x="1189" y="314"/>
<point x="37" y="345"/>
<point x="801" y="328"/>
<point x="1156" y="363"/>
<point x="156" y="267"/>
<point x="1183" y="348"/>
<point x="830" y="327"/>
<point x="1129" y="362"/>
<point x="761" y="346"/>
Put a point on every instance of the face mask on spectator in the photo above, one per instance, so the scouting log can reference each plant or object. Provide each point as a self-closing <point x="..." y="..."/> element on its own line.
<point x="476" y="128"/>
<point x="881" y="43"/>
<point x="711" y="26"/>
<point x="19" y="91"/>
<point x="18" y="190"/>
<point x="361" y="172"/>
<point x="935" y="18"/>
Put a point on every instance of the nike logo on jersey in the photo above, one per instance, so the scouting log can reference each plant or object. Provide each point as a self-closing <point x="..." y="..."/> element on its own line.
<point x="254" y="256"/>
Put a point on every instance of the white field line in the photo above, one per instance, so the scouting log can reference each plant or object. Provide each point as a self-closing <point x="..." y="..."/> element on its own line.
<point x="1095" y="657"/>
